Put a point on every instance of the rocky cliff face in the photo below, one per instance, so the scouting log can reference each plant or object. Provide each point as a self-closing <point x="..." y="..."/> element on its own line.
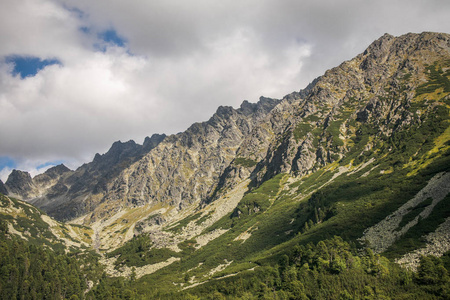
<point x="377" y="90"/>
<point x="63" y="193"/>
<point x="398" y="82"/>
<point x="179" y="169"/>
<point x="3" y="189"/>
<point x="20" y="183"/>
<point x="185" y="168"/>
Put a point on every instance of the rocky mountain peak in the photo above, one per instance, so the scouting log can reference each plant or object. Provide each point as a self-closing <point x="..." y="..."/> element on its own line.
<point x="262" y="107"/>
<point x="247" y="108"/>
<point x="315" y="127"/>
<point x="380" y="46"/>
<point x="224" y="111"/>
<point x="299" y="134"/>
<point x="152" y="142"/>
<point x="401" y="48"/>
<point x="118" y="151"/>
<point x="57" y="170"/>
<point x="18" y="176"/>
<point x="19" y="182"/>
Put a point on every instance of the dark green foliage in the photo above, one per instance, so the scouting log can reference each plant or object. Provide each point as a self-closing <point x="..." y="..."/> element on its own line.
<point x="333" y="131"/>
<point x="245" y="162"/>
<point x="312" y="118"/>
<point x="415" y="141"/>
<point x="330" y="270"/>
<point x="316" y="211"/>
<point x="258" y="200"/>
<point x="32" y="272"/>
<point x="414" y="212"/>
<point x="360" y="140"/>
<point x="178" y="226"/>
<point x="137" y="252"/>
<point x="437" y="79"/>
<point x="252" y="203"/>
<point x="3" y="227"/>
<point x="407" y="77"/>
<point x="301" y="130"/>
<point x="4" y="202"/>
<point x="113" y="288"/>
<point x="433" y="276"/>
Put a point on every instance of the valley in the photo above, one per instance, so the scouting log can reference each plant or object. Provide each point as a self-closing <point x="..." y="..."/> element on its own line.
<point x="338" y="191"/>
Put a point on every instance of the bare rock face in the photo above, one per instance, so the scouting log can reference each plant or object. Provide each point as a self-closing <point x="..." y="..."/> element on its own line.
<point x="317" y="126"/>
<point x="185" y="168"/>
<point x="20" y="183"/>
<point x="50" y="177"/>
<point x="64" y="193"/>
<point x="3" y="189"/>
<point x="302" y="133"/>
<point x="306" y="130"/>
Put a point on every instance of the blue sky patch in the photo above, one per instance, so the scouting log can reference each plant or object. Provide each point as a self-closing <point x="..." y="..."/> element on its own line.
<point x="110" y="36"/>
<point x="29" y="65"/>
<point x="85" y="29"/>
<point x="50" y="164"/>
<point x="6" y="162"/>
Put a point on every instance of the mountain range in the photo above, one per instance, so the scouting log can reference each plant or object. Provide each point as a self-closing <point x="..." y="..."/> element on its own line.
<point x="360" y="156"/>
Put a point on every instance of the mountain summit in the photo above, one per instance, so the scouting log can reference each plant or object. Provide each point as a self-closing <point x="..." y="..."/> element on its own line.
<point x="379" y="89"/>
<point x="300" y="192"/>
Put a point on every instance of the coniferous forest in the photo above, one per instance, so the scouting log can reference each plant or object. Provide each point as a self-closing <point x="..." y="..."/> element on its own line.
<point x="330" y="269"/>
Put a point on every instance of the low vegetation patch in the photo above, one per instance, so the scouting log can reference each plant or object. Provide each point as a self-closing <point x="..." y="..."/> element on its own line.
<point x="245" y="162"/>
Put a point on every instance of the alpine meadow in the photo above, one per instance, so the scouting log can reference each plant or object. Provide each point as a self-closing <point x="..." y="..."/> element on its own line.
<point x="338" y="191"/>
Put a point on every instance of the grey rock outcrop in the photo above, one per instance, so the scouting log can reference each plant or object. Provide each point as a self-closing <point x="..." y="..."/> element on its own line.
<point x="185" y="168"/>
<point x="64" y="193"/>
<point x="315" y="127"/>
<point x="299" y="134"/>
<point x="20" y="183"/>
<point x="3" y="189"/>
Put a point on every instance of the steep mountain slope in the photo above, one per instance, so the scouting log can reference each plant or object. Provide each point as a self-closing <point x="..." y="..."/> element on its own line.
<point x="360" y="143"/>
<point x="363" y="153"/>
<point x="304" y="132"/>
<point x="377" y="87"/>
<point x="183" y="166"/>
<point x="63" y="193"/>
<point x="36" y="228"/>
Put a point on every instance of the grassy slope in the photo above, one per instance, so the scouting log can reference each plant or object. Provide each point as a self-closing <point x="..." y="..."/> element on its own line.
<point x="280" y="214"/>
<point x="32" y="224"/>
<point x="277" y="216"/>
<point x="356" y="203"/>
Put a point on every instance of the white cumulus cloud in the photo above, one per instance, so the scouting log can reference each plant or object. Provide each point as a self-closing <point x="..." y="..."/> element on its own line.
<point x="180" y="60"/>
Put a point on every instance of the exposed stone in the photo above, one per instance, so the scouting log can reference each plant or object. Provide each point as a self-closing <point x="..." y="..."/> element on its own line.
<point x="3" y="188"/>
<point x="438" y="243"/>
<point x="382" y="235"/>
<point x="200" y="164"/>
<point x="20" y="183"/>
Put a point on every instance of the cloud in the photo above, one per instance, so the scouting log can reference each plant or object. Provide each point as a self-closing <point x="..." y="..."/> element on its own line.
<point x="41" y="28"/>
<point x="129" y="69"/>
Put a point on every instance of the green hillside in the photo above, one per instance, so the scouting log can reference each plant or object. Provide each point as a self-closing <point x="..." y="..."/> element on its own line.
<point x="341" y="191"/>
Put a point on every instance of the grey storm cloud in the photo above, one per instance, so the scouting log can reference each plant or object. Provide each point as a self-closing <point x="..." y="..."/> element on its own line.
<point x="179" y="62"/>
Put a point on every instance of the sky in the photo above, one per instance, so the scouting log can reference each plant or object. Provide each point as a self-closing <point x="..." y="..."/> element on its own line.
<point x="77" y="75"/>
